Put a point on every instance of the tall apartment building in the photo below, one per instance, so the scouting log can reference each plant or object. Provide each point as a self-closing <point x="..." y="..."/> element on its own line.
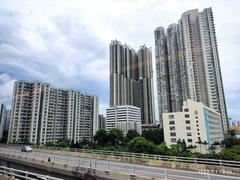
<point x="131" y="79"/>
<point x="196" y="123"/>
<point x="4" y="120"/>
<point x="101" y="122"/>
<point x="187" y="64"/>
<point x="125" y="118"/>
<point x="42" y="113"/>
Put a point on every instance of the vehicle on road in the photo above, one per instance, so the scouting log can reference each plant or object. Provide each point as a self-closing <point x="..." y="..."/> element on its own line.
<point x="26" y="149"/>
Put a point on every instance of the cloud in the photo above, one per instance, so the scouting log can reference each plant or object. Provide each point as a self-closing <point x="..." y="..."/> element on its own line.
<point x="6" y="89"/>
<point x="65" y="43"/>
<point x="67" y="55"/>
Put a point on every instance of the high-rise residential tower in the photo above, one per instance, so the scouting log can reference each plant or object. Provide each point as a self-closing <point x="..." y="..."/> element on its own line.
<point x="187" y="64"/>
<point x="131" y="79"/>
<point x="42" y="113"/>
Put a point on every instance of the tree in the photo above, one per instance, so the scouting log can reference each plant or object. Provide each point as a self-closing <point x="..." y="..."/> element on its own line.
<point x="182" y="145"/>
<point x="72" y="145"/>
<point x="63" y="143"/>
<point x="132" y="133"/>
<point x="232" y="133"/>
<point x="155" y="135"/>
<point x="231" y="153"/>
<point x="50" y="144"/>
<point x="101" y="137"/>
<point x="162" y="149"/>
<point x="142" y="145"/>
<point x="230" y="142"/>
<point x="85" y="143"/>
<point x="115" y="137"/>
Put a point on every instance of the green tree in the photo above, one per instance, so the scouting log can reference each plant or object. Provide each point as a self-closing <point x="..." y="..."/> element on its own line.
<point x="63" y="143"/>
<point x="155" y="135"/>
<point x="142" y="145"/>
<point x="101" y="137"/>
<point x="50" y="144"/>
<point x="115" y="137"/>
<point x="86" y="143"/>
<point x="163" y="149"/>
<point x="182" y="145"/>
<point x="230" y="142"/>
<point x="232" y="153"/>
<point x="132" y="133"/>
<point x="231" y="133"/>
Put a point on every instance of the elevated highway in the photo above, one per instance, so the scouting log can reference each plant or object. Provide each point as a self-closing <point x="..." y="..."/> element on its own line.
<point x="86" y="167"/>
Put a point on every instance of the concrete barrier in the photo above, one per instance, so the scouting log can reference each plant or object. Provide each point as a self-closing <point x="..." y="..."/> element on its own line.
<point x="152" y="162"/>
<point x="72" y="171"/>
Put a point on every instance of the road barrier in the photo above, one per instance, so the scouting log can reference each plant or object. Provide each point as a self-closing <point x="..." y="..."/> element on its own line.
<point x="24" y="174"/>
<point x="206" y="161"/>
<point x="132" y="170"/>
<point x="219" y="162"/>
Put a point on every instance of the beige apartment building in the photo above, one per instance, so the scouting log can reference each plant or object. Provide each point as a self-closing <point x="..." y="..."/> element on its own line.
<point x="196" y="123"/>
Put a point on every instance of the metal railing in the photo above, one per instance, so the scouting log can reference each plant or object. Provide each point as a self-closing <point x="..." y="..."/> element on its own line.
<point x="24" y="174"/>
<point x="85" y="164"/>
<point x="218" y="162"/>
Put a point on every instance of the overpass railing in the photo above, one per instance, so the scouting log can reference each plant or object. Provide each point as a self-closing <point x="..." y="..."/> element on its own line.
<point x="219" y="162"/>
<point x="101" y="153"/>
<point x="24" y="174"/>
<point x="84" y="164"/>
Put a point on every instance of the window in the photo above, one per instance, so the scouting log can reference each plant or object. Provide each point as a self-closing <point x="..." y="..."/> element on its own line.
<point x="172" y="134"/>
<point x="186" y="110"/>
<point x="197" y="129"/>
<point x="196" y="121"/>
<point x="173" y="140"/>
<point x="171" y="116"/>
<point x="187" y="121"/>
<point x="198" y="134"/>
<point x="189" y="140"/>
<point x="188" y="128"/>
<point x="189" y="134"/>
<point x="171" y="122"/>
<point x="172" y="128"/>
<point x="187" y="116"/>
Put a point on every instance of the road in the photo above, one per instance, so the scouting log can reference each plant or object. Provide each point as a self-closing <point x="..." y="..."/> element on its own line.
<point x="121" y="167"/>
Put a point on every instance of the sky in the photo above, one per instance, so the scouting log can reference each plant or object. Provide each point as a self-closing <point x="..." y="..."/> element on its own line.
<point x="66" y="42"/>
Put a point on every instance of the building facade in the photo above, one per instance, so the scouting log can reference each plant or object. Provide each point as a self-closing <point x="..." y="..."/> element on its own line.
<point x="234" y="125"/>
<point x="124" y="117"/>
<point x="101" y="122"/>
<point x="131" y="79"/>
<point x="4" y="120"/>
<point x="196" y="123"/>
<point x="42" y="113"/>
<point x="187" y="64"/>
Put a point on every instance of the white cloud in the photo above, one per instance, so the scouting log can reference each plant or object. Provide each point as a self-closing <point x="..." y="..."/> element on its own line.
<point x="66" y="42"/>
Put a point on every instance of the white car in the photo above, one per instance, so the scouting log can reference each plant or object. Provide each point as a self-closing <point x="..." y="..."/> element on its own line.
<point x="26" y="149"/>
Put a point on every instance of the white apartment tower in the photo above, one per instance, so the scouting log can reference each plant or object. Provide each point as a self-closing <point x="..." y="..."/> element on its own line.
<point x="42" y="113"/>
<point x="187" y="64"/>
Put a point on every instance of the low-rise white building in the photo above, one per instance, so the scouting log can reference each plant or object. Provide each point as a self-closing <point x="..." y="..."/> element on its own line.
<point x="197" y="123"/>
<point x="124" y="117"/>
